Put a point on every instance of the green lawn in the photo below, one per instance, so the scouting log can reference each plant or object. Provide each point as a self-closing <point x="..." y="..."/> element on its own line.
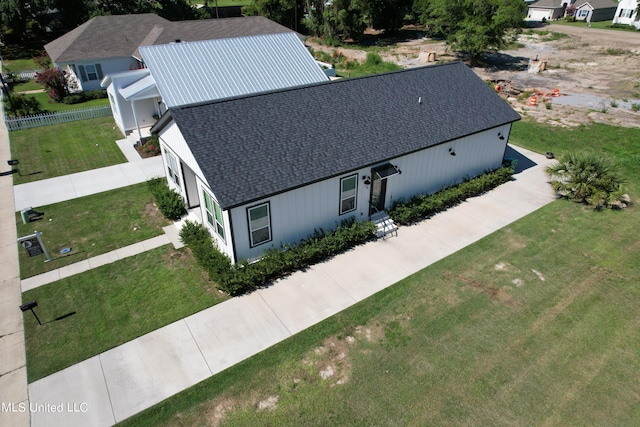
<point x="56" y="150"/>
<point x="91" y="226"/>
<point x="28" y="85"/>
<point x="48" y="105"/>
<point x="537" y="324"/>
<point x="20" y="64"/>
<point x="111" y="305"/>
<point x="604" y="25"/>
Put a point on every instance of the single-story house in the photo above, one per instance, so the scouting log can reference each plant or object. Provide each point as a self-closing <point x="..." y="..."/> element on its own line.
<point x="190" y="72"/>
<point x="627" y="13"/>
<point x="107" y="45"/>
<point x="596" y="10"/>
<point x="134" y="99"/>
<point x="267" y="169"/>
<point x="546" y="10"/>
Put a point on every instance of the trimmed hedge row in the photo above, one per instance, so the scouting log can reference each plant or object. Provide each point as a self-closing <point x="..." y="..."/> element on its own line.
<point x="246" y="276"/>
<point x="169" y="202"/>
<point x="424" y="206"/>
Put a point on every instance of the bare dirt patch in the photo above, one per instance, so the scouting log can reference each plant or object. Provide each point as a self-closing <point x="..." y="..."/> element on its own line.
<point x="599" y="81"/>
<point x="496" y="293"/>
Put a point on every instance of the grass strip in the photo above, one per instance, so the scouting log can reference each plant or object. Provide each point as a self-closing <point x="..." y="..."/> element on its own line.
<point x="50" y="151"/>
<point x="90" y="313"/>
<point x="91" y="226"/>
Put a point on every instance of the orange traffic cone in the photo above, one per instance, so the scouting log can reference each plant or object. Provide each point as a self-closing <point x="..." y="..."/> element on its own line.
<point x="533" y="101"/>
<point x="556" y="92"/>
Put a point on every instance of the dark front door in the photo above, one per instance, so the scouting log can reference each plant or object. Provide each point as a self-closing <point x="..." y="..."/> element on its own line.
<point x="378" y="192"/>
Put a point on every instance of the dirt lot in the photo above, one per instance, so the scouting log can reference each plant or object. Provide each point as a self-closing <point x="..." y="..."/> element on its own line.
<point x="596" y="71"/>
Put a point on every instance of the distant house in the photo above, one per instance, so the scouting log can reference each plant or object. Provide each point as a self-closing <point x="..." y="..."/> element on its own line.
<point x="547" y="10"/>
<point x="107" y="45"/>
<point x="269" y="168"/>
<point x="627" y="13"/>
<point x="595" y="10"/>
<point x="191" y="72"/>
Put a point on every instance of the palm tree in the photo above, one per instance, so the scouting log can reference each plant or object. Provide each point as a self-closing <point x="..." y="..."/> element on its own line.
<point x="587" y="178"/>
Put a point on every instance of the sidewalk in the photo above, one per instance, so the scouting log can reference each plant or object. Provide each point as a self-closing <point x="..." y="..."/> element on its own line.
<point x="67" y="187"/>
<point x="13" y="371"/>
<point x="125" y="380"/>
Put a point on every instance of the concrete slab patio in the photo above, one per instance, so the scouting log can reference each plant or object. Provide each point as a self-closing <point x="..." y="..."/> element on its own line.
<point x="149" y="369"/>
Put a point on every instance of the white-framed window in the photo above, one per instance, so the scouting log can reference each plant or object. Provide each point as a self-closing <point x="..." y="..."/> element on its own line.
<point x="626" y="13"/>
<point x="348" y="193"/>
<point x="259" y="219"/>
<point x="583" y="12"/>
<point x="172" y="167"/>
<point x="90" y="72"/>
<point x="214" y="213"/>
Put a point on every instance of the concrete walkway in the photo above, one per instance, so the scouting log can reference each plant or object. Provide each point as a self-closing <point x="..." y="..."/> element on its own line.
<point x="13" y="370"/>
<point x="123" y="381"/>
<point x="67" y="187"/>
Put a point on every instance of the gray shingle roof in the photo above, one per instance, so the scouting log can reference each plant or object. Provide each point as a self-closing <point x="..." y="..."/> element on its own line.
<point x="121" y="35"/>
<point x="191" y="72"/>
<point x="253" y="147"/>
<point x="598" y="4"/>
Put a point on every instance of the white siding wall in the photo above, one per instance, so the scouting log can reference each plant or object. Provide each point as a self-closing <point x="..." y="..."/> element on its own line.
<point x="172" y="137"/>
<point x="109" y="66"/>
<point x="627" y="5"/>
<point x="295" y="214"/>
<point x="225" y="245"/>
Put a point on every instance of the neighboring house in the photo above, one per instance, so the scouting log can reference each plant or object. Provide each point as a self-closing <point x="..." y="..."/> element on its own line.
<point x="267" y="169"/>
<point x="190" y="72"/>
<point x="107" y="45"/>
<point x="134" y="98"/>
<point x="627" y="13"/>
<point x="595" y="10"/>
<point x="546" y="10"/>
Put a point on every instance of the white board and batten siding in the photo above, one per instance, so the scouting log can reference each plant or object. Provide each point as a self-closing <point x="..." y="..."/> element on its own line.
<point x="295" y="214"/>
<point x="171" y="139"/>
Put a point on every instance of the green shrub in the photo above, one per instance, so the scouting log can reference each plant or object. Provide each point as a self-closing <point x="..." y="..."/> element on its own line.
<point x="21" y="105"/>
<point x="246" y="276"/>
<point x="169" y="202"/>
<point x="79" y="97"/>
<point x="422" y="206"/>
<point x="635" y="107"/>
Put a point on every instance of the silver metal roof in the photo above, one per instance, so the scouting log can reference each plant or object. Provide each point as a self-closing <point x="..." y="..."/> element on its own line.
<point x="140" y="89"/>
<point x="191" y="72"/>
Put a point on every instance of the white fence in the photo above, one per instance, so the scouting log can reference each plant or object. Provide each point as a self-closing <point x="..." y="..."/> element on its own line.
<point x="47" y="119"/>
<point x="22" y="75"/>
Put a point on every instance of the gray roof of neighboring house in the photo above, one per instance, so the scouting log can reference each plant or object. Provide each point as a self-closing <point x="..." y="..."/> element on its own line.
<point x="252" y="147"/>
<point x="546" y="4"/>
<point x="121" y="35"/>
<point x="598" y="4"/>
<point x="191" y="72"/>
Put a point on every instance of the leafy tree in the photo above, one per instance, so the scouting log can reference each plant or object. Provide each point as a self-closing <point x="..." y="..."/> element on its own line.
<point x="178" y="10"/>
<point x="473" y="26"/>
<point x="285" y="12"/>
<point x="339" y="19"/>
<point x="55" y="82"/>
<point x="388" y="15"/>
<point x="587" y="178"/>
<point x="22" y="105"/>
<point x="16" y="14"/>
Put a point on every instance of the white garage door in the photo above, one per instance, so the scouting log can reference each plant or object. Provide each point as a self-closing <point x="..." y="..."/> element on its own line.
<point x="538" y="14"/>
